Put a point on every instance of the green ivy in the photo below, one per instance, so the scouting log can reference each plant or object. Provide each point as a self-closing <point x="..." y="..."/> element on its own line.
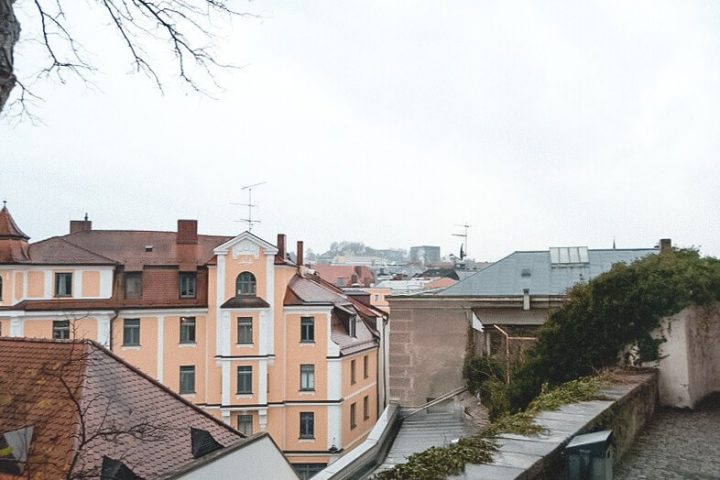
<point x="437" y="463"/>
<point x="614" y="311"/>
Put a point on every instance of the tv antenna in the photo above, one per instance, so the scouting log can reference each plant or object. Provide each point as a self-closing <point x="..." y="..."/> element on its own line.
<point x="249" y="220"/>
<point x="464" y="236"/>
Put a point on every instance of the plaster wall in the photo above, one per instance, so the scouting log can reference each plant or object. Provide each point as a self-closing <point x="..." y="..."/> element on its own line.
<point x="690" y="357"/>
<point x="260" y="459"/>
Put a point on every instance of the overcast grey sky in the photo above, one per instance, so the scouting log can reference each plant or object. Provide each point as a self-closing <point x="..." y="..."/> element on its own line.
<point x="539" y="123"/>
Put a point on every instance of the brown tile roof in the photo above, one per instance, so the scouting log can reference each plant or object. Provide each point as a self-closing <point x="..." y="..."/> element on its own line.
<point x="127" y="415"/>
<point x="245" y="302"/>
<point x="126" y="247"/>
<point x="8" y="227"/>
<point x="59" y="251"/>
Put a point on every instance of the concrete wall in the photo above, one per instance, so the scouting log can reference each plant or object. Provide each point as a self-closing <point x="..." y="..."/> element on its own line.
<point x="690" y="357"/>
<point x="428" y="339"/>
<point x="427" y="350"/>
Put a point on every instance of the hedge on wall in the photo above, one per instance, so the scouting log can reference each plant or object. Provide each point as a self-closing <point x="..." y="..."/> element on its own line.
<point x="615" y="310"/>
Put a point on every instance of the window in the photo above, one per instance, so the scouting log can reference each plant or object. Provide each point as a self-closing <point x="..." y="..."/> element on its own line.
<point x="0" y="288"/>
<point x="131" y="332"/>
<point x="353" y="423"/>
<point x="307" y="329"/>
<point x="366" y="407"/>
<point x="61" y="329"/>
<point x="133" y="284"/>
<point x="307" y="377"/>
<point x="188" y="282"/>
<point x="366" y="372"/>
<point x="187" y="379"/>
<point x="63" y="284"/>
<point x="305" y="471"/>
<point x="353" y="379"/>
<point x="244" y="379"/>
<point x="307" y="425"/>
<point x="244" y="330"/>
<point x="187" y="329"/>
<point x="245" y="424"/>
<point x="351" y="326"/>
<point x="245" y="284"/>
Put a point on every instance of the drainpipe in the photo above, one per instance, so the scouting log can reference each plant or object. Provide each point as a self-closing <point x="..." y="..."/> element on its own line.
<point x="110" y="336"/>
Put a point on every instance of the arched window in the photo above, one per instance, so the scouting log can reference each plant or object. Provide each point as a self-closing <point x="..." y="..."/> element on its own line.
<point x="245" y="284"/>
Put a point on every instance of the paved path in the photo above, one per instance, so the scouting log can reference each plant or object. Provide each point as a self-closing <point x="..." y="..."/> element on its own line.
<point x="677" y="445"/>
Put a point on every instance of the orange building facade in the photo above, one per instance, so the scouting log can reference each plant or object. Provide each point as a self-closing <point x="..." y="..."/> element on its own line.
<point x="227" y="322"/>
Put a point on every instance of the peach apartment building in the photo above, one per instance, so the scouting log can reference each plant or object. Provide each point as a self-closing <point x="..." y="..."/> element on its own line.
<point x="229" y="323"/>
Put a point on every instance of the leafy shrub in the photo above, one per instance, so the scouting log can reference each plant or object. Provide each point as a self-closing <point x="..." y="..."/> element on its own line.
<point x="615" y="310"/>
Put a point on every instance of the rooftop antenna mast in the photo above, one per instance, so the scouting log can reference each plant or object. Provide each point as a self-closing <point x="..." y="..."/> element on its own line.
<point x="464" y="236"/>
<point x="249" y="220"/>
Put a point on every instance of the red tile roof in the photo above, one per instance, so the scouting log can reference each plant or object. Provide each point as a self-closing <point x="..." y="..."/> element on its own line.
<point x="132" y="248"/>
<point x="126" y="414"/>
<point x="8" y="227"/>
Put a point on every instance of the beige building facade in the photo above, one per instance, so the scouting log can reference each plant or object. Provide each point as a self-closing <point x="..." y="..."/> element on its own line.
<point x="229" y="323"/>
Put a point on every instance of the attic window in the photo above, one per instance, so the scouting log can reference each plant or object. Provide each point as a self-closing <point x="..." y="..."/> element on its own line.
<point x="525" y="272"/>
<point x="352" y="326"/>
<point x="148" y="248"/>
<point x="202" y="442"/>
<point x="116" y="470"/>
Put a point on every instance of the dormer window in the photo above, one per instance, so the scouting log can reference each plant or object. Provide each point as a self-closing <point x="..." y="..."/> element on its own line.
<point x="245" y="284"/>
<point x="351" y="326"/>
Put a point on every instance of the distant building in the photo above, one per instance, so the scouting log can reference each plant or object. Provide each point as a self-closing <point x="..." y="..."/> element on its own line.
<point x="229" y="323"/>
<point x="73" y="409"/>
<point x="425" y="255"/>
<point x="510" y="298"/>
<point x="345" y="275"/>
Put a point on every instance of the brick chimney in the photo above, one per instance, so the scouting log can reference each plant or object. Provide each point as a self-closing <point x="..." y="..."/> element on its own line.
<point x="281" y="246"/>
<point x="300" y="260"/>
<point x="187" y="232"/>
<point x="84" y="225"/>
<point x="665" y="245"/>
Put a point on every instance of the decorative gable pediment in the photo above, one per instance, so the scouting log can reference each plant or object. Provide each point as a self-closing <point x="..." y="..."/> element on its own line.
<point x="246" y="245"/>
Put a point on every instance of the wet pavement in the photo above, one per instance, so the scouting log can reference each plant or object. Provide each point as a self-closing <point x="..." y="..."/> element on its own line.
<point x="677" y="444"/>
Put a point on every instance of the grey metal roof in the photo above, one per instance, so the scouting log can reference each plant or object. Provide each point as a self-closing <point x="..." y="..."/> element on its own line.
<point x="535" y="271"/>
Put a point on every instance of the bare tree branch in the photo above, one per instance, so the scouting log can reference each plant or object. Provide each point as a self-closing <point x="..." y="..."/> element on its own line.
<point x="184" y="26"/>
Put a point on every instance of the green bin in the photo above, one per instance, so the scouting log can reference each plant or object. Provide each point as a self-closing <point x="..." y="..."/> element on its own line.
<point x="590" y="456"/>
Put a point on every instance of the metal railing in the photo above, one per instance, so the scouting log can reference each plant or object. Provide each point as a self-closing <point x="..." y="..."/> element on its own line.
<point x="435" y="401"/>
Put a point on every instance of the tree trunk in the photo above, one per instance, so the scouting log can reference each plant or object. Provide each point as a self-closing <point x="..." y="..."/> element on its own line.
<point x="9" y="34"/>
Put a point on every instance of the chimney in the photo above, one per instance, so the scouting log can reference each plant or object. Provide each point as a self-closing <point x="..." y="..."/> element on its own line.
<point x="281" y="246"/>
<point x="300" y="260"/>
<point x="665" y="245"/>
<point x="526" y="299"/>
<point x="187" y="232"/>
<point x="84" y="225"/>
